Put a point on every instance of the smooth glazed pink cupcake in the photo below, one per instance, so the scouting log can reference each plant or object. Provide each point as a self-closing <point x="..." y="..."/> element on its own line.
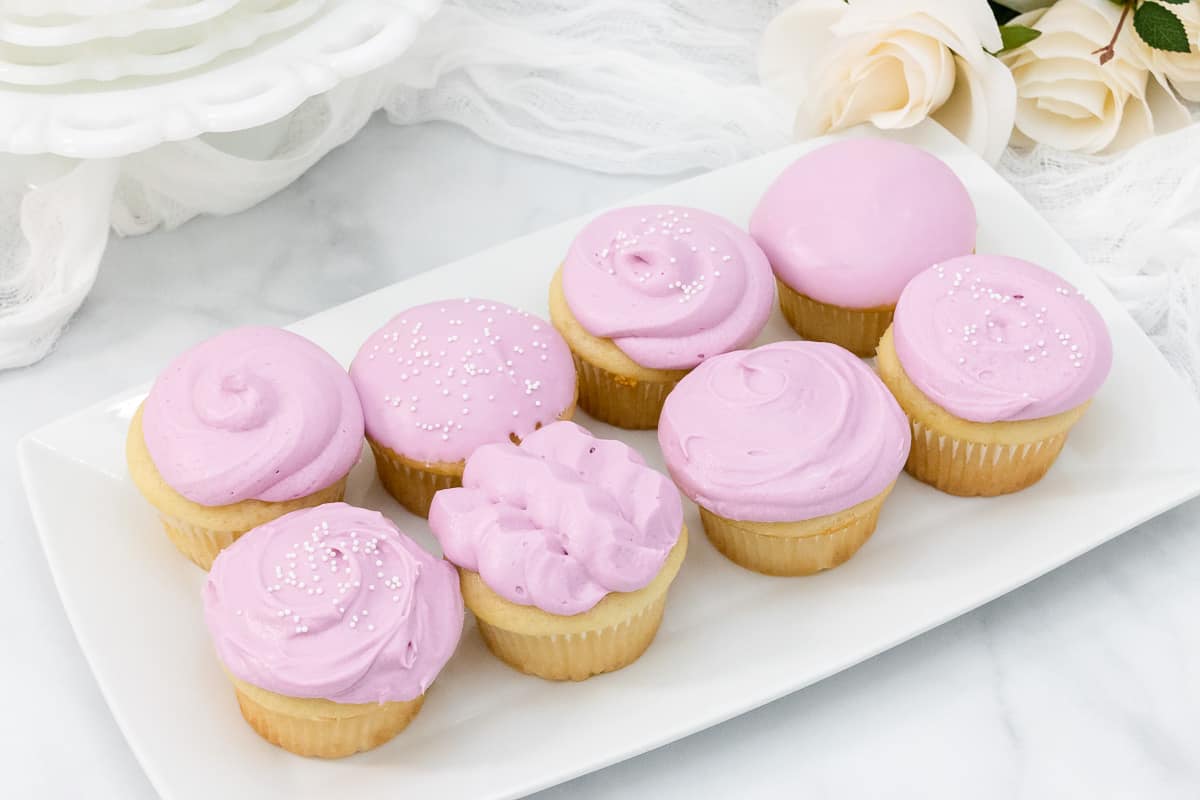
<point x="994" y="360"/>
<point x="332" y="624"/>
<point x="242" y="428"/>
<point x="848" y="225"/>
<point x="566" y="546"/>
<point x="645" y="294"/>
<point x="789" y="450"/>
<point x="444" y="378"/>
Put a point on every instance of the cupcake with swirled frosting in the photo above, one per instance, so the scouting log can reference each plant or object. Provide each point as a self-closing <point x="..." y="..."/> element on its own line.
<point x="332" y="625"/>
<point x="789" y="450"/>
<point x="443" y="378"/>
<point x="241" y="429"/>
<point x="566" y="546"/>
<point x="648" y="292"/>
<point x="994" y="360"/>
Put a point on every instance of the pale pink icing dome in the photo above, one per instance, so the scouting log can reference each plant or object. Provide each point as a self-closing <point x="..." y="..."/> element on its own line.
<point x="333" y="602"/>
<point x="560" y="521"/>
<point x="851" y="223"/>
<point x="254" y="413"/>
<point x="992" y="338"/>
<point x="444" y="378"/>
<point x="782" y="433"/>
<point x="669" y="285"/>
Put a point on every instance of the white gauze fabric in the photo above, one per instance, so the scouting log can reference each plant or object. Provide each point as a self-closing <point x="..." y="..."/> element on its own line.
<point x="620" y="86"/>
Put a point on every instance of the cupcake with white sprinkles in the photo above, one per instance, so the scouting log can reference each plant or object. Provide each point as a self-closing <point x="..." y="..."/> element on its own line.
<point x="443" y="378"/>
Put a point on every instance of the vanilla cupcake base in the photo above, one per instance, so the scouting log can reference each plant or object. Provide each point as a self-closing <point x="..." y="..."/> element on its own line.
<point x="972" y="459"/>
<point x="795" y="548"/>
<point x="856" y="329"/>
<point x="613" y="388"/>
<point x="611" y="635"/>
<point x="322" y="728"/>
<point x="200" y="532"/>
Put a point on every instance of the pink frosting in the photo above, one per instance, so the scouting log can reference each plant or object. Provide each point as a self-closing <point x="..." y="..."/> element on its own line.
<point x="669" y="285"/>
<point x="560" y="521"/>
<point x="991" y="338"/>
<point x="444" y="378"/>
<point x="850" y="224"/>
<point x="782" y="433"/>
<point x="333" y="602"/>
<point x="254" y="413"/>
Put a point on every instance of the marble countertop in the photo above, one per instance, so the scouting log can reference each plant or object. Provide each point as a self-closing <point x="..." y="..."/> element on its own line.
<point x="1085" y="683"/>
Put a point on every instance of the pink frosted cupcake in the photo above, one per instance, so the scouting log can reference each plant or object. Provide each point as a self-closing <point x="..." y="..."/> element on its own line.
<point x="243" y="428"/>
<point x="848" y="225"/>
<point x="332" y="625"/>
<point x="994" y="360"/>
<point x="441" y="379"/>
<point x="647" y="293"/>
<point x="789" y="449"/>
<point x="566" y="546"/>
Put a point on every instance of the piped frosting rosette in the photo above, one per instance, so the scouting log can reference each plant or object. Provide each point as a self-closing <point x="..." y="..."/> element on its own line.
<point x="254" y="413"/>
<point x="670" y="286"/>
<point x="333" y="602"/>
<point x="560" y="521"/>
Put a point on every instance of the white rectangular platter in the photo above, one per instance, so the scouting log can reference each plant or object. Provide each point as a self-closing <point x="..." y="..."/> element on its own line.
<point x="732" y="640"/>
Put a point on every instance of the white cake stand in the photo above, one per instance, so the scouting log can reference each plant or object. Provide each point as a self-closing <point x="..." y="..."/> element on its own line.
<point x="239" y="90"/>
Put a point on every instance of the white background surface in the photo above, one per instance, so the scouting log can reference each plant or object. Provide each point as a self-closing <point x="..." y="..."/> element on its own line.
<point x="1085" y="683"/>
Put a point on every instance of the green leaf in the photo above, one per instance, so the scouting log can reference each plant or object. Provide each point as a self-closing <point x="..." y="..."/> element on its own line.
<point x="1014" y="36"/>
<point x="1160" y="28"/>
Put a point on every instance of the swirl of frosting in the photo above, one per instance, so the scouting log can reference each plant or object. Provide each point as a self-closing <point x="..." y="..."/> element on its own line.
<point x="443" y="378"/>
<point x="992" y="338"/>
<point x="669" y="285"/>
<point x="559" y="521"/>
<point x="333" y="602"/>
<point x="852" y="222"/>
<point x="254" y="413"/>
<point x="785" y="432"/>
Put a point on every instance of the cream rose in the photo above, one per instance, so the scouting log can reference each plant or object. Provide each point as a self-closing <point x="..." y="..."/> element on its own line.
<point x="1067" y="99"/>
<point x="892" y="63"/>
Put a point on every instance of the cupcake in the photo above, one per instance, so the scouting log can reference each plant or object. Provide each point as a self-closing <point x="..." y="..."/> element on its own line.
<point x="993" y="359"/>
<point x="647" y="293"/>
<point x="241" y="429"/>
<point x="441" y="379"/>
<point x="566" y="546"/>
<point x="332" y="624"/>
<point x="789" y="450"/>
<point x="847" y="226"/>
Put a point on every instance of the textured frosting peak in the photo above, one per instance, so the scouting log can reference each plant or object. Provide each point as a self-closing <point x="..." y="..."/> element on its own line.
<point x="852" y="222"/>
<point x="333" y="602"/>
<point x="785" y="432"/>
<point x="560" y="521"/>
<point x="992" y="338"/>
<point x="443" y="378"/>
<point x="669" y="285"/>
<point x="254" y="413"/>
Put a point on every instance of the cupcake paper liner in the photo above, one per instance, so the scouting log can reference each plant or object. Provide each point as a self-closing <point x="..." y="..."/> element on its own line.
<point x="978" y="469"/>
<point x="322" y="728"/>
<point x="856" y="329"/>
<point x="620" y="400"/>
<point x="576" y="656"/>
<point x="794" y="548"/>
<point x="412" y="484"/>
